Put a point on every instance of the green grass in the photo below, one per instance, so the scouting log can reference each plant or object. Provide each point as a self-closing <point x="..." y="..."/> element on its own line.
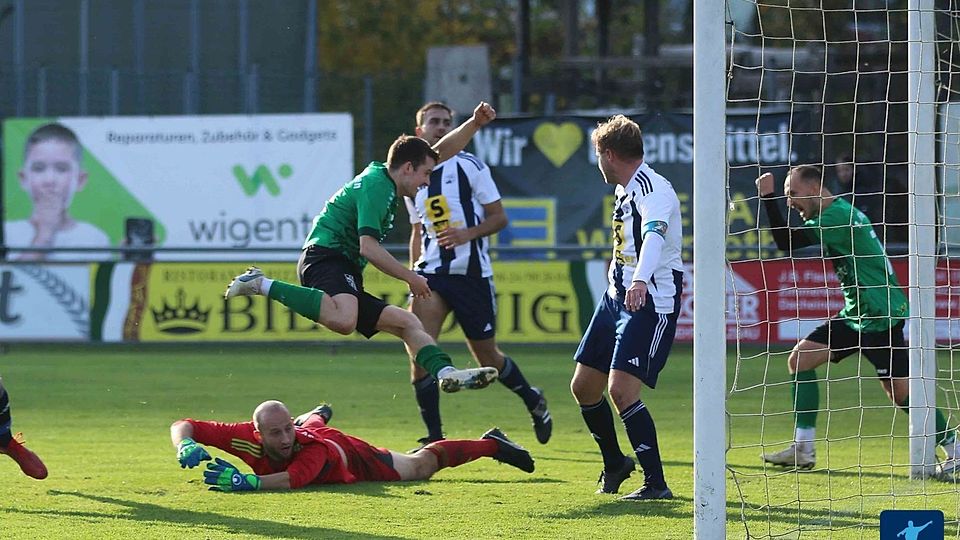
<point x="100" y="417"/>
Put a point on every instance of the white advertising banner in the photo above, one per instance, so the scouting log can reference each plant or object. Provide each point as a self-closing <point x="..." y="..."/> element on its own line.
<point x="218" y="182"/>
<point x="45" y="302"/>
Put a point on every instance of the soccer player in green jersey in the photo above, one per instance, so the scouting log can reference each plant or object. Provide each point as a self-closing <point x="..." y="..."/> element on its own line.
<point x="346" y="236"/>
<point x="872" y="318"/>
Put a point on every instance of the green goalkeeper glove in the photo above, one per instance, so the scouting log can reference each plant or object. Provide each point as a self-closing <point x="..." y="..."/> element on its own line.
<point x="190" y="454"/>
<point x="223" y="476"/>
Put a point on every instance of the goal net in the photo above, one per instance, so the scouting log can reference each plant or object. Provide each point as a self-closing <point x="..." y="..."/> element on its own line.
<point x="831" y="79"/>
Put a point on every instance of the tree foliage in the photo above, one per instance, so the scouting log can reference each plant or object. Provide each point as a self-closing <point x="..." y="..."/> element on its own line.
<point x="371" y="36"/>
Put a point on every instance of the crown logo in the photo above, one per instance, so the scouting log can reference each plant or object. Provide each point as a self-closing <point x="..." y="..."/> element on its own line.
<point x="181" y="318"/>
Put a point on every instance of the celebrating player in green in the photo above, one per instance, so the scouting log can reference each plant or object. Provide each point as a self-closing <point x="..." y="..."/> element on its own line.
<point x="347" y="234"/>
<point x="872" y="318"/>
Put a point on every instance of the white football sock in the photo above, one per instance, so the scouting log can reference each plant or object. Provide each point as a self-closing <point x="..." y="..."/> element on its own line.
<point x="951" y="449"/>
<point x="443" y="371"/>
<point x="265" y="284"/>
<point x="804" y="438"/>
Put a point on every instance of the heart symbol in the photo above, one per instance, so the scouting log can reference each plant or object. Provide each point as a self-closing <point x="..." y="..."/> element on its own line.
<point x="558" y="141"/>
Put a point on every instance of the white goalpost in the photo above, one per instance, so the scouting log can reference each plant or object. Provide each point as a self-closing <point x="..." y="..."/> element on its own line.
<point x="922" y="241"/>
<point x="709" y="338"/>
<point x="867" y="84"/>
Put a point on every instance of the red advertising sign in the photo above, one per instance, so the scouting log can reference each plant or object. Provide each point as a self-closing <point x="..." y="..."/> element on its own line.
<point x="783" y="300"/>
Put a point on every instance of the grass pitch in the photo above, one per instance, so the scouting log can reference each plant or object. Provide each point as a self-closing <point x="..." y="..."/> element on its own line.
<point x="99" y="417"/>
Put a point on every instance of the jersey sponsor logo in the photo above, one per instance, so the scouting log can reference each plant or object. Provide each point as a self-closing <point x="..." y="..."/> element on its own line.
<point x="437" y="210"/>
<point x="619" y="241"/>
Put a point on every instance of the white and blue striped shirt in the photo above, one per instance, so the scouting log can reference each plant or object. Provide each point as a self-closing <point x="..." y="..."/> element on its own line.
<point x="459" y="187"/>
<point x="648" y="204"/>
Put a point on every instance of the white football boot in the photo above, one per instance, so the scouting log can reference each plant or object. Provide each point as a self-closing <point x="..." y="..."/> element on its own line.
<point x="792" y="456"/>
<point x="246" y="284"/>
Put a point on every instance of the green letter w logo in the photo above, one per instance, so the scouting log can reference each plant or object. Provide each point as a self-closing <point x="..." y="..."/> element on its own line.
<point x="261" y="176"/>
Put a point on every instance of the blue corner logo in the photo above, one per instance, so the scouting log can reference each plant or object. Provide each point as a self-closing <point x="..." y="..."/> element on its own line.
<point x="911" y="525"/>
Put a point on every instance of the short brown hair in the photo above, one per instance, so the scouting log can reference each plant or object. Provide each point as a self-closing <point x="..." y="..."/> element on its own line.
<point x="620" y="134"/>
<point x="410" y="149"/>
<point x="53" y="132"/>
<point x="807" y="173"/>
<point x="432" y="105"/>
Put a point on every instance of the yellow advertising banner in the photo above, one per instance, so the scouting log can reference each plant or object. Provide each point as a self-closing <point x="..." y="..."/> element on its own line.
<point x="183" y="302"/>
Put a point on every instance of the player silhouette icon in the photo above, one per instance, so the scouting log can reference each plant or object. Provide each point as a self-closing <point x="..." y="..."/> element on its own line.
<point x="910" y="532"/>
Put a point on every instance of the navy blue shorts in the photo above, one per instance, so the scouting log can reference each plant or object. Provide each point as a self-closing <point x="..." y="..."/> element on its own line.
<point x="635" y="342"/>
<point x="472" y="301"/>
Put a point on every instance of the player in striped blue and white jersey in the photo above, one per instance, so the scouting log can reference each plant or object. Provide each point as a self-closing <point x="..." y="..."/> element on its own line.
<point x="629" y="338"/>
<point x="452" y="219"/>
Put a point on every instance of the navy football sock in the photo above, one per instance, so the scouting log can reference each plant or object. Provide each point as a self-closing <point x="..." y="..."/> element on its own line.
<point x="643" y="436"/>
<point x="512" y="378"/>
<point x="428" y="398"/>
<point x="599" y="419"/>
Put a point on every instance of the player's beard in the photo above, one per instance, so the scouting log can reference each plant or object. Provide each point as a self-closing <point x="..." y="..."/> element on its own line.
<point x="276" y="454"/>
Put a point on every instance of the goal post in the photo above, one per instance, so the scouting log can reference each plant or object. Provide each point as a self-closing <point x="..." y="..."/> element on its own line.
<point x="862" y="90"/>
<point x="922" y="248"/>
<point x="709" y="318"/>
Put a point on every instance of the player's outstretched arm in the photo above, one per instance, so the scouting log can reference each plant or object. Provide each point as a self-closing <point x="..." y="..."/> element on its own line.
<point x="189" y="453"/>
<point x="379" y="257"/>
<point x="223" y="476"/>
<point x="457" y="140"/>
<point x="787" y="238"/>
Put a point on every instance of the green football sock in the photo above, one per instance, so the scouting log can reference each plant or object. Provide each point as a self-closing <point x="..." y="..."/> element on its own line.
<point x="944" y="435"/>
<point x="302" y="300"/>
<point x="806" y="398"/>
<point x="432" y="359"/>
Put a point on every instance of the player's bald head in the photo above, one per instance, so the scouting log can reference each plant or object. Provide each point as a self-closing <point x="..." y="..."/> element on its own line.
<point x="807" y="174"/>
<point x="268" y="410"/>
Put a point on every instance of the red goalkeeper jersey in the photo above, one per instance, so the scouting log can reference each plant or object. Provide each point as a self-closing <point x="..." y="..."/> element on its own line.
<point x="321" y="454"/>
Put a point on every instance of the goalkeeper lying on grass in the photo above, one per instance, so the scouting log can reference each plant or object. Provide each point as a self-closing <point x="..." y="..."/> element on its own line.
<point x="287" y="454"/>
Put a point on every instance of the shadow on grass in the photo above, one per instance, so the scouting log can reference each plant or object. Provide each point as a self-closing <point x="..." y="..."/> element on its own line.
<point x="679" y="508"/>
<point x="500" y="481"/>
<point x="853" y="473"/>
<point x="146" y="512"/>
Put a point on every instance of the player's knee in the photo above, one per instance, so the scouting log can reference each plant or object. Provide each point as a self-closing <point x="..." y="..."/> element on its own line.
<point x="793" y="361"/>
<point x="622" y="396"/>
<point x="409" y="322"/>
<point x="425" y="471"/>
<point x="584" y="392"/>
<point x="424" y="465"/>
